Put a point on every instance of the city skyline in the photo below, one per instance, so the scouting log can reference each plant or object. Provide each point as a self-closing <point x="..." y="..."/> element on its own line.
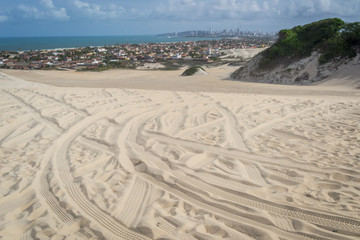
<point x="111" y="17"/>
<point x="210" y="32"/>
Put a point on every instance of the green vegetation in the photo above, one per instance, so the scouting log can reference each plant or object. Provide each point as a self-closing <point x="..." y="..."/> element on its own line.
<point x="191" y="71"/>
<point x="331" y="37"/>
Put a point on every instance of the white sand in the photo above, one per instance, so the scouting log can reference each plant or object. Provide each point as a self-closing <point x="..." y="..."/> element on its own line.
<point x="163" y="157"/>
<point x="244" y="53"/>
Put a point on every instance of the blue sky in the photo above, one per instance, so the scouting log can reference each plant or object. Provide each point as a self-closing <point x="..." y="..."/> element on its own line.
<point x="129" y="17"/>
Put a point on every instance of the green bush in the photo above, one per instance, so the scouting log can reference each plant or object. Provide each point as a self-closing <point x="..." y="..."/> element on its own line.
<point x="191" y="71"/>
<point x="332" y="37"/>
<point x="351" y="33"/>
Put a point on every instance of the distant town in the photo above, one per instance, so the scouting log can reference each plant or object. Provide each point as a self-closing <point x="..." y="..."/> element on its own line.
<point x="220" y="33"/>
<point x="127" y="55"/>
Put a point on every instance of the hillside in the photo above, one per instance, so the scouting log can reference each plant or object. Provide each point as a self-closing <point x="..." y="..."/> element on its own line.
<point x="305" y="54"/>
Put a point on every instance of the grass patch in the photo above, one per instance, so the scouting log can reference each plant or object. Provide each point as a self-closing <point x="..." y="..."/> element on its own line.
<point x="192" y="70"/>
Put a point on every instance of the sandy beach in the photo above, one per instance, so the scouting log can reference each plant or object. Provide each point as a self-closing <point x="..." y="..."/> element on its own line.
<point x="127" y="154"/>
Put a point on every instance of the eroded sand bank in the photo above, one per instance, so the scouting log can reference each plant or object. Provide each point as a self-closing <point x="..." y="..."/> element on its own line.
<point x="232" y="161"/>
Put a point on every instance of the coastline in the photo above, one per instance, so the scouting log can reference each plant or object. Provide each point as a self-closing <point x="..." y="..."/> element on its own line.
<point x="73" y="42"/>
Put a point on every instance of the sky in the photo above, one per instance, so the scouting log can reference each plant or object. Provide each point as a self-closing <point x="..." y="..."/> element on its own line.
<point x="142" y="17"/>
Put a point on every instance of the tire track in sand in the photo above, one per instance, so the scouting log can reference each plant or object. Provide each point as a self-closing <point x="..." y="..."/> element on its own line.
<point x="41" y="184"/>
<point x="136" y="129"/>
<point x="55" y="159"/>
<point x="248" y="134"/>
<point x="323" y="219"/>
<point x="62" y="172"/>
<point x="35" y="113"/>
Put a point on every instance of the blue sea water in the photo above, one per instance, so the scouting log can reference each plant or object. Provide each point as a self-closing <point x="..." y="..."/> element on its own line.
<point x="37" y="43"/>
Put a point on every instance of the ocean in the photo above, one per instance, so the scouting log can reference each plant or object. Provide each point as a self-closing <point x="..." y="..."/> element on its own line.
<point x="38" y="43"/>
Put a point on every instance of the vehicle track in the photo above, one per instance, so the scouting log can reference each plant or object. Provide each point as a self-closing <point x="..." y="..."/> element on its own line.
<point x="62" y="172"/>
<point x="232" y="128"/>
<point x="247" y="200"/>
<point x="36" y="92"/>
<point x="139" y="195"/>
<point x="132" y="145"/>
<point x="347" y="224"/>
<point x="36" y="114"/>
<point x="52" y="201"/>
<point x="235" y="153"/>
<point x="343" y="223"/>
<point x="248" y="134"/>
<point x="218" y="211"/>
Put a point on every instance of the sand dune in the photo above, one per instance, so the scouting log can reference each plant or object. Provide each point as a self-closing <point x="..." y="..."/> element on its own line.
<point x="245" y="53"/>
<point x="106" y="163"/>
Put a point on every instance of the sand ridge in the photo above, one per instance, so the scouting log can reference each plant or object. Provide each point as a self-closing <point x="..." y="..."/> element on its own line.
<point x="106" y="163"/>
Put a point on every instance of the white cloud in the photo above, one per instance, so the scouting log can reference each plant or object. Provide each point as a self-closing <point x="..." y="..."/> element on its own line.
<point x="49" y="11"/>
<point x="226" y="5"/>
<point x="325" y="5"/>
<point x="187" y="3"/>
<point x="181" y="11"/>
<point x="213" y="9"/>
<point x="303" y="8"/>
<point x="55" y="13"/>
<point x="95" y="10"/>
<point x="3" y="18"/>
<point x="319" y="8"/>
<point x="59" y="14"/>
<point x="48" y="3"/>
<point x="31" y="12"/>
<point x="346" y="8"/>
<point x="252" y="9"/>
